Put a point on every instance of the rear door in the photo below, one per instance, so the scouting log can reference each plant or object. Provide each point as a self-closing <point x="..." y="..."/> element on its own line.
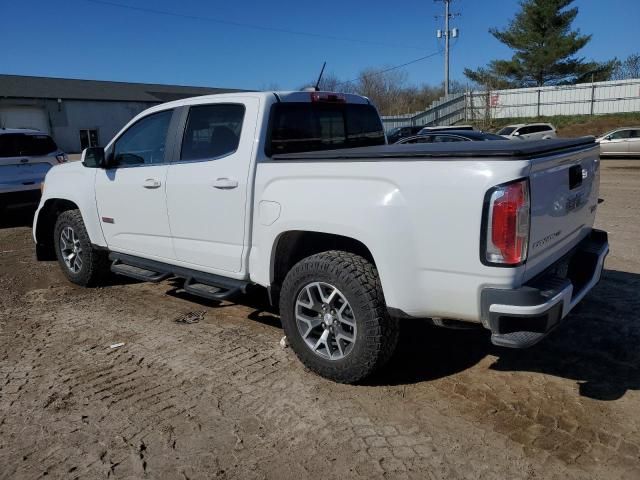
<point x="130" y="194"/>
<point x="208" y="184"/>
<point x="633" y="145"/>
<point x="564" y="199"/>
<point x="25" y="159"/>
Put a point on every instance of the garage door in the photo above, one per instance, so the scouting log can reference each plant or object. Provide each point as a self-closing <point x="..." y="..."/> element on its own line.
<point x="24" y="117"/>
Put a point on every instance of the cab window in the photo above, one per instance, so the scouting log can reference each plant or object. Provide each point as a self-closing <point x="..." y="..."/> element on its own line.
<point x="212" y="131"/>
<point x="144" y="142"/>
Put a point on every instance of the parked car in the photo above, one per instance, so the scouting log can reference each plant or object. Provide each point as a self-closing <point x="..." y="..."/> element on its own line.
<point x="401" y="132"/>
<point x="349" y="235"/>
<point x="529" y="131"/>
<point x="450" y="136"/>
<point x="620" y="142"/>
<point x="445" y="128"/>
<point x="25" y="158"/>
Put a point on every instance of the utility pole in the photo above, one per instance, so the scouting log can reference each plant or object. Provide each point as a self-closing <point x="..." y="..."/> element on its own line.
<point x="446" y="47"/>
<point x="448" y="34"/>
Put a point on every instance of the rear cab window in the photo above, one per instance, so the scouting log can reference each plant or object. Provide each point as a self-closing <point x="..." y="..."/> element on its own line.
<point x="212" y="131"/>
<point x="26" y="145"/>
<point x="296" y="127"/>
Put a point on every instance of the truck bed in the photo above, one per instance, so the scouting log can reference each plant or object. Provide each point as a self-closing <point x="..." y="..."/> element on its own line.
<point x="504" y="149"/>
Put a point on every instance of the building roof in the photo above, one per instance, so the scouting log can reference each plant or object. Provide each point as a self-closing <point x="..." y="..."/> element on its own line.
<point x="19" y="86"/>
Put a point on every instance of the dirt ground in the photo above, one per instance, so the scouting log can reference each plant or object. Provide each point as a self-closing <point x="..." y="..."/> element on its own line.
<point x="221" y="399"/>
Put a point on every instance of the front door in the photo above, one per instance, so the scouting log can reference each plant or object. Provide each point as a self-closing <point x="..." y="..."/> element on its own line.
<point x="208" y="185"/>
<point x="131" y="193"/>
<point x="618" y="142"/>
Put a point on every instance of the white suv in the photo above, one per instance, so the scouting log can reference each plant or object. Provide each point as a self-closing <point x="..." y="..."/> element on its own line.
<point x="529" y="131"/>
<point x="25" y="158"/>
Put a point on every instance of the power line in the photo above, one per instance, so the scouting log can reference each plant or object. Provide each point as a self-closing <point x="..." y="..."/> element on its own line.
<point x="244" y="25"/>
<point x="391" y="68"/>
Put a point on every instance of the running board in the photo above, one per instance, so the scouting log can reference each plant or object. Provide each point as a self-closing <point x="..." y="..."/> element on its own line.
<point x="207" y="285"/>
<point x="138" y="273"/>
<point x="212" y="292"/>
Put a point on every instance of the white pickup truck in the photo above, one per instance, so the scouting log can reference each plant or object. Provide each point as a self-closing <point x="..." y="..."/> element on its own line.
<point x="298" y="192"/>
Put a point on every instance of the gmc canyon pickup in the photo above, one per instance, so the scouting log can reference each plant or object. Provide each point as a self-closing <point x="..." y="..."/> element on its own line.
<point x="299" y="192"/>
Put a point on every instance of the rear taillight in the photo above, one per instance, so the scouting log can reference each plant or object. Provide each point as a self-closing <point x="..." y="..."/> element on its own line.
<point x="62" y="158"/>
<point x="507" y="224"/>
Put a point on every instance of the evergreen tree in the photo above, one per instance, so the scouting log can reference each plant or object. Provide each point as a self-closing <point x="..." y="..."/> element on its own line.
<point x="545" y="49"/>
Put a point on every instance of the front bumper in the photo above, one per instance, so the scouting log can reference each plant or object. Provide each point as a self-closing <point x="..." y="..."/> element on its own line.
<point x="522" y="317"/>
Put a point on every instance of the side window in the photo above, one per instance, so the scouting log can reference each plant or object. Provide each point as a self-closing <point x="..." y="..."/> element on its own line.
<point x="144" y="142"/>
<point x="622" y="134"/>
<point x="420" y="139"/>
<point x="212" y="131"/>
<point x="525" y="130"/>
<point x="446" y="138"/>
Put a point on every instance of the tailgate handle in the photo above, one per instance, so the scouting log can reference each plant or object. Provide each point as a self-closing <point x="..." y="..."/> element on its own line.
<point x="575" y="176"/>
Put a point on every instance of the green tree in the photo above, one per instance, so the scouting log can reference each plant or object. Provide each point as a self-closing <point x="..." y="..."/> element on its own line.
<point x="545" y="49"/>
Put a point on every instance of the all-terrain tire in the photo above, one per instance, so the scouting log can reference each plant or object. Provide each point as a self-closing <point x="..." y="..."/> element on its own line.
<point x="95" y="263"/>
<point x="357" y="279"/>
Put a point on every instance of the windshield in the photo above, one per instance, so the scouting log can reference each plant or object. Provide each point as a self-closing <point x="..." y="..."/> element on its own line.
<point x="506" y="131"/>
<point x="305" y="127"/>
<point x="19" y="144"/>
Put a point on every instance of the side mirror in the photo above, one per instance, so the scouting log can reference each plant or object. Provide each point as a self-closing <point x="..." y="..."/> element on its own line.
<point x="516" y="133"/>
<point x="93" y="157"/>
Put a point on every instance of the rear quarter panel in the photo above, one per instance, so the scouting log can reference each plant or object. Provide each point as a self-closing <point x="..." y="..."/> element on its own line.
<point x="419" y="219"/>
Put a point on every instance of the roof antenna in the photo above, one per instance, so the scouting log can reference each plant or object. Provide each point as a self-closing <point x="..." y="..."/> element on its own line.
<point x="317" y="87"/>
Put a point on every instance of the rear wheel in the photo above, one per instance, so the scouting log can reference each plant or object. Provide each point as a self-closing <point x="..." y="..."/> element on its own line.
<point x="335" y="318"/>
<point x="79" y="260"/>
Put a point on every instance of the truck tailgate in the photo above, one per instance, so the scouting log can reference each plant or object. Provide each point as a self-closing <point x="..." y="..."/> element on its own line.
<point x="564" y="199"/>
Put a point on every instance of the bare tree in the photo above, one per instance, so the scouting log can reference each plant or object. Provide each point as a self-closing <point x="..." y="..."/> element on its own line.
<point x="388" y="90"/>
<point x="628" y="68"/>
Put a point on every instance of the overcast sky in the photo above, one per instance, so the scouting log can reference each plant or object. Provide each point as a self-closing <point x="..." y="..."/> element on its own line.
<point x="258" y="44"/>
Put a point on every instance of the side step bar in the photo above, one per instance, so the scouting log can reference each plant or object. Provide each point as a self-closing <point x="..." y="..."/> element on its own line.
<point x="211" y="292"/>
<point x="207" y="285"/>
<point x="136" y="272"/>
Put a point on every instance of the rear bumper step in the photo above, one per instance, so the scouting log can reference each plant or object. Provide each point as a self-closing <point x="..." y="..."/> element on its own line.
<point x="521" y="317"/>
<point x="206" y="285"/>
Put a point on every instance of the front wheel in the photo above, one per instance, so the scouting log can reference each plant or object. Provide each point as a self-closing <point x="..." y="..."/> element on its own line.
<point x="335" y="317"/>
<point x="79" y="260"/>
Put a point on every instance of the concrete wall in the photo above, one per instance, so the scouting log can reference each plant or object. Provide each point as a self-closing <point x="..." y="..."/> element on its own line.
<point x="68" y="117"/>
<point x="106" y="117"/>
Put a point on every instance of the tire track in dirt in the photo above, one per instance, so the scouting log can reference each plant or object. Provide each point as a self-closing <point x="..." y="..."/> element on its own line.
<point x="254" y="382"/>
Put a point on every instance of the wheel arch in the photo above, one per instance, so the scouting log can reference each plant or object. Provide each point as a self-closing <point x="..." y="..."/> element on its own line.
<point x="45" y="223"/>
<point x="294" y="245"/>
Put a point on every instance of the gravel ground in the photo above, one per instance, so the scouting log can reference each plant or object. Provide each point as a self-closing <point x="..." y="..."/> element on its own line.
<point x="221" y="399"/>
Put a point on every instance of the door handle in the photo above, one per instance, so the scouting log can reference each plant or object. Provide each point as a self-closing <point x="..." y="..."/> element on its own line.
<point x="151" y="183"/>
<point x="225" y="183"/>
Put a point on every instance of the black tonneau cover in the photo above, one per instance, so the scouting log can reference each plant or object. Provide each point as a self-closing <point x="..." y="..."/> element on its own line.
<point x="516" y="149"/>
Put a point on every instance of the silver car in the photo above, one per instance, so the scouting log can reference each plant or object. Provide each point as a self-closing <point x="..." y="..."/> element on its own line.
<point x="25" y="158"/>
<point x="621" y="142"/>
<point x="529" y="131"/>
